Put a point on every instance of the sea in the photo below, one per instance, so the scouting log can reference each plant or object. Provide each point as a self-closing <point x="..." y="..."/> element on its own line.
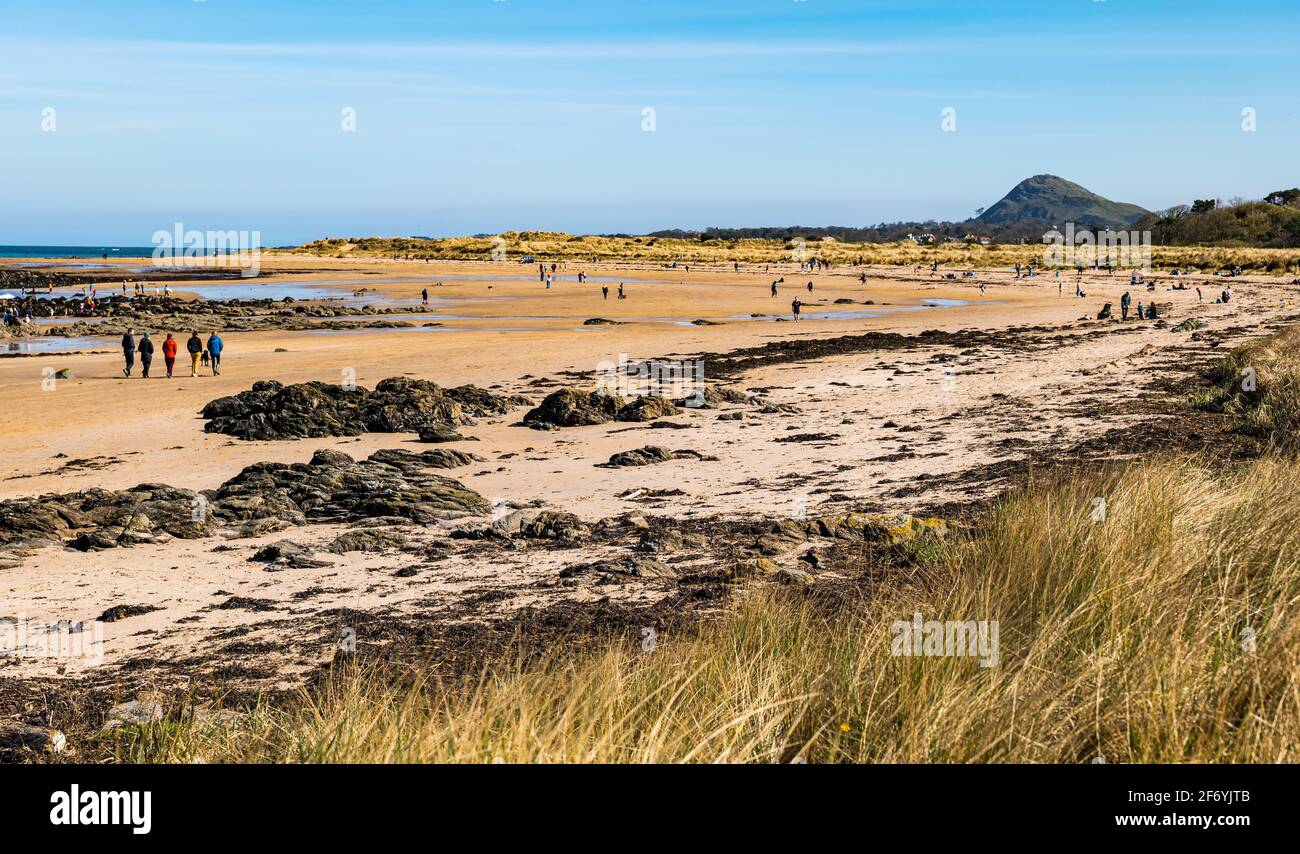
<point x="94" y="253"/>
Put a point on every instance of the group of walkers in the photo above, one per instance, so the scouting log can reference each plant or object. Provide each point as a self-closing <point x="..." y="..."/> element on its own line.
<point x="15" y="317"/>
<point x="200" y="354"/>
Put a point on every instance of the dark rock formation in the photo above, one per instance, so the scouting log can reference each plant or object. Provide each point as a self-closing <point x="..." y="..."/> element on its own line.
<point x="649" y="455"/>
<point x="270" y="411"/>
<point x="571" y="407"/>
<point x="647" y="408"/>
<point x="711" y="397"/>
<point x="264" y="497"/>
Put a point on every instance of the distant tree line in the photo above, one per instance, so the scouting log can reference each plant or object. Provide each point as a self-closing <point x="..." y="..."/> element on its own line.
<point x="1272" y="222"/>
<point x="882" y="233"/>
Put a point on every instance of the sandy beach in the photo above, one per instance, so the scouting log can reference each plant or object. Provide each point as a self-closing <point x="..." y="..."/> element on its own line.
<point x="960" y="387"/>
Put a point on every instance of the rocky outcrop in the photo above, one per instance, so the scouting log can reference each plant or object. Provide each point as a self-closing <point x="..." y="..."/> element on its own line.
<point x="712" y="397"/>
<point x="651" y="454"/>
<point x="288" y="553"/>
<point x="332" y="487"/>
<point x="571" y="407"/>
<point x="369" y="540"/>
<point x="270" y="411"/>
<point x="877" y="527"/>
<point x="435" y="434"/>
<point x="536" y="525"/>
<point x="99" y="519"/>
<point x="18" y="739"/>
<point x="647" y="408"/>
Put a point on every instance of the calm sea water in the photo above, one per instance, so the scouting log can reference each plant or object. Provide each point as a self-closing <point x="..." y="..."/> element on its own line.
<point x="87" y="252"/>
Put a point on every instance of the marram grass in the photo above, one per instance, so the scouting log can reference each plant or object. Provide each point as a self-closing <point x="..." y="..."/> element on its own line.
<point x="1149" y="613"/>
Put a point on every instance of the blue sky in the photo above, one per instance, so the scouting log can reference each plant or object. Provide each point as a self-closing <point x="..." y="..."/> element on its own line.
<point x="481" y="116"/>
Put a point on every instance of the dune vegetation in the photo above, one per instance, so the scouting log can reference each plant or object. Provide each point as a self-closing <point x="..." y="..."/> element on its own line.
<point x="1259" y="385"/>
<point x="1149" y="613"/>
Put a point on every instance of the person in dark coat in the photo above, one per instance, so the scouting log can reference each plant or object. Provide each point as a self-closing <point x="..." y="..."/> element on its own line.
<point x="146" y="354"/>
<point x="128" y="352"/>
<point x="194" y="347"/>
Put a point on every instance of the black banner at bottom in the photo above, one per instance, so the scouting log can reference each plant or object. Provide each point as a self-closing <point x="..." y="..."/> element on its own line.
<point x="301" y="803"/>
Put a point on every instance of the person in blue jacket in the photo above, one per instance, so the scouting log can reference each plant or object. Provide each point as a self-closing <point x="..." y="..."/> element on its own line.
<point x="215" y="346"/>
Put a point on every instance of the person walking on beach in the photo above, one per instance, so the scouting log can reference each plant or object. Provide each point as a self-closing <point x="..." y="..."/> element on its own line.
<point x="1140" y="315"/>
<point x="195" y="348"/>
<point x="809" y="287"/>
<point x="1124" y="302"/>
<point x="128" y="351"/>
<point x="774" y="289"/>
<point x="604" y="291"/>
<point x="621" y="294"/>
<point x="794" y="308"/>
<point x="424" y="296"/>
<point x="215" y="346"/>
<point x="169" y="354"/>
<point x="548" y="281"/>
<point x="146" y="354"/>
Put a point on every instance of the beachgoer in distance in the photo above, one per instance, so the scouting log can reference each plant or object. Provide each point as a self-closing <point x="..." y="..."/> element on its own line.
<point x="604" y="291"/>
<point x="215" y="346"/>
<point x="169" y="354"/>
<point x="1124" y="302"/>
<point x="194" y="347"/>
<point x="128" y="351"/>
<point x="146" y="354"/>
<point x="794" y="308"/>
